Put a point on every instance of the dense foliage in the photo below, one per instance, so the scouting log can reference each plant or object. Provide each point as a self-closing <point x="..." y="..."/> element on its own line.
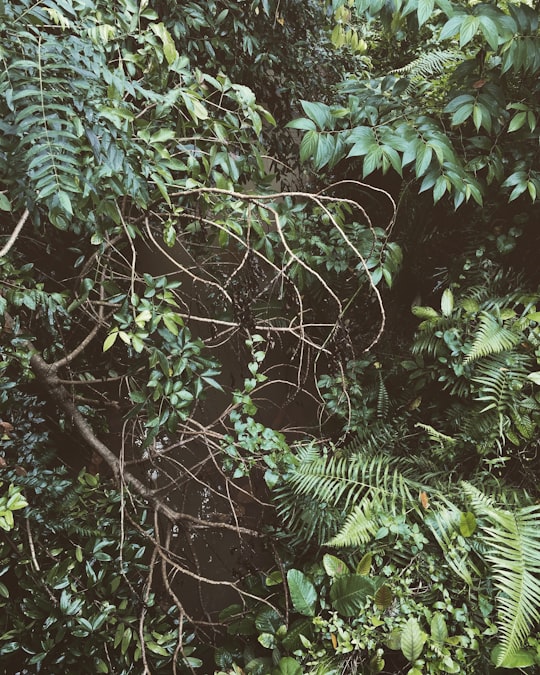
<point x="259" y="416"/>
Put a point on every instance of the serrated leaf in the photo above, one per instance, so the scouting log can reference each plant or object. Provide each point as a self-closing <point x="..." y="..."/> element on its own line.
<point x="302" y="591"/>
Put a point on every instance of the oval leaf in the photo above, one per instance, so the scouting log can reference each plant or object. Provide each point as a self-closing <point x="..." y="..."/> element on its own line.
<point x="303" y="593"/>
<point x="412" y="640"/>
<point x="333" y="566"/>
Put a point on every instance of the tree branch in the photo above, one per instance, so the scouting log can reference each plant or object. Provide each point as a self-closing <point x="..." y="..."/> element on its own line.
<point x="46" y="374"/>
<point x="15" y="233"/>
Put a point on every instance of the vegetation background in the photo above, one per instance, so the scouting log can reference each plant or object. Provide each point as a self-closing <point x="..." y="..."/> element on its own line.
<point x="270" y="310"/>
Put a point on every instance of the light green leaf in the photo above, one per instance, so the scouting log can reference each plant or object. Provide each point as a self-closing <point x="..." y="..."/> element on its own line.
<point x="303" y="593"/>
<point x="423" y="159"/>
<point x="412" y="640"/>
<point x="425" y="10"/>
<point x="535" y="377"/>
<point x="364" y="565"/>
<point x="489" y="30"/>
<point x="366" y="141"/>
<point x="447" y="302"/>
<point x="302" y="123"/>
<point x="288" y="666"/>
<point x="5" y="204"/>
<point x="110" y="340"/>
<point x="319" y="113"/>
<point x="439" y="630"/>
<point x="333" y="566"/>
<point x="517" y="121"/>
<point x="169" y="48"/>
<point x="468" y="30"/>
<point x="467" y="524"/>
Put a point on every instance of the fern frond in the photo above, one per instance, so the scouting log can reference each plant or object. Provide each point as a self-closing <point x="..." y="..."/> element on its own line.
<point x="360" y="526"/>
<point x="491" y="338"/>
<point x="513" y="539"/>
<point x="349" y="489"/>
<point x="429" y="64"/>
<point x="383" y="400"/>
<point x="443" y="523"/>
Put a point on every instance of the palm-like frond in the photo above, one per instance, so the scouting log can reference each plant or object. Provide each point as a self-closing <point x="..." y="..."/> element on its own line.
<point x="513" y="539"/>
<point x="354" y="492"/>
<point x="491" y="337"/>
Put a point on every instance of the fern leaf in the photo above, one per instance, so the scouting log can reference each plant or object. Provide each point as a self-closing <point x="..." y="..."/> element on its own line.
<point x="491" y="338"/>
<point x="359" y="528"/>
<point x="429" y="64"/>
<point x="513" y="539"/>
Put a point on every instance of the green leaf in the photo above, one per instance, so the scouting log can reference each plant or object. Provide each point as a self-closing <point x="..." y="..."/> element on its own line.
<point x="468" y="30"/>
<point x="333" y="566"/>
<point x="462" y="113"/>
<point x="425" y="10"/>
<point x="452" y="26"/>
<point x="110" y="340"/>
<point x="384" y="598"/>
<point x="288" y="666"/>
<point x="169" y="48"/>
<point x="535" y="377"/>
<point x="65" y="202"/>
<point x="447" y="302"/>
<point x="467" y="524"/>
<point x="439" y="630"/>
<point x="5" y="204"/>
<point x="349" y="593"/>
<point x="308" y="145"/>
<point x="489" y="30"/>
<point x="363" y="139"/>
<point x="517" y="121"/>
<point x="301" y="123"/>
<point x="424" y="312"/>
<point x="364" y="565"/>
<point x="423" y="159"/>
<point x="412" y="640"/>
<point x="319" y="113"/>
<point x="267" y="640"/>
<point x="303" y="593"/>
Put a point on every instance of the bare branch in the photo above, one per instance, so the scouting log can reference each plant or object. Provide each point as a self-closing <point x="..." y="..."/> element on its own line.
<point x="13" y="238"/>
